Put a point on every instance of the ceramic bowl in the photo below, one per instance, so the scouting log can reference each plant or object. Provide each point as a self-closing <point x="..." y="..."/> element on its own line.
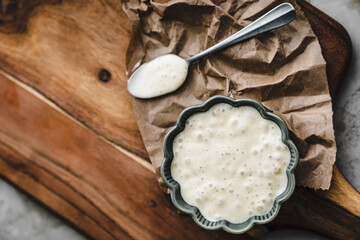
<point x="174" y="187"/>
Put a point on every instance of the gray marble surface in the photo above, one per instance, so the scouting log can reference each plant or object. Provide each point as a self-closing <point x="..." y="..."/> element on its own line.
<point x="22" y="219"/>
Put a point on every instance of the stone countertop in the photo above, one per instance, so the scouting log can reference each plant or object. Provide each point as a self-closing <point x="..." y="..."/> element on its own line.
<point x="21" y="218"/>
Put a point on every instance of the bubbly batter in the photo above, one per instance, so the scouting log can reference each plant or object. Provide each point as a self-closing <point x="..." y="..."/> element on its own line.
<point x="230" y="163"/>
<point x="159" y="76"/>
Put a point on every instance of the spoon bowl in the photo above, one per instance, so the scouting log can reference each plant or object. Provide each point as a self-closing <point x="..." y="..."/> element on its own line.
<point x="168" y="72"/>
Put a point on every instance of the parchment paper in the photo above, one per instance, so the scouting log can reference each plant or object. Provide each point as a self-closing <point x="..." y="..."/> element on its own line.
<point x="284" y="69"/>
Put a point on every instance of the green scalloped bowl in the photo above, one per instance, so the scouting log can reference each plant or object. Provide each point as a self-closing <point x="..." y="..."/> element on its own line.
<point x="174" y="187"/>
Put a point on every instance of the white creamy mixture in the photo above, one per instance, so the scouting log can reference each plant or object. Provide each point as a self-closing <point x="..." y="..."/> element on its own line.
<point x="159" y="76"/>
<point x="230" y="163"/>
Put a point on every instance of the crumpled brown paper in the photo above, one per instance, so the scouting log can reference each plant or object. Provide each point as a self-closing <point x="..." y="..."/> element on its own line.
<point x="284" y="69"/>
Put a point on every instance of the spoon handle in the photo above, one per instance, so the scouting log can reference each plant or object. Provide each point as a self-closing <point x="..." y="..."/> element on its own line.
<point x="277" y="17"/>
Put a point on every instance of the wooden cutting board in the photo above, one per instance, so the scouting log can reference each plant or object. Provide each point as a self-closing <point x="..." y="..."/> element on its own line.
<point x="69" y="139"/>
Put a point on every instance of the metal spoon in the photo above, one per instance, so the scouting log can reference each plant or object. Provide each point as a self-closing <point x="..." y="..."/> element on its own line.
<point x="275" y="18"/>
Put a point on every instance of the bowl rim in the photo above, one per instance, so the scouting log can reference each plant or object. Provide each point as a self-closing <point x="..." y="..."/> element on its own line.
<point x="174" y="186"/>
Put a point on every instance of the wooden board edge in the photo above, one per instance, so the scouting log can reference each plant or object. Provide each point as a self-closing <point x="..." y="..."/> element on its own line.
<point x="15" y="177"/>
<point x="342" y="193"/>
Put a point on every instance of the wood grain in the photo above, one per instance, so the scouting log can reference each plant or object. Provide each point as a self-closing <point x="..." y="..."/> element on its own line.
<point x="85" y="179"/>
<point x="14" y="14"/>
<point x="48" y="57"/>
<point x="63" y="128"/>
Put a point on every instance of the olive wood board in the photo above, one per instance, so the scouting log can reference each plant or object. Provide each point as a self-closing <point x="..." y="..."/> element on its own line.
<point x="69" y="138"/>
